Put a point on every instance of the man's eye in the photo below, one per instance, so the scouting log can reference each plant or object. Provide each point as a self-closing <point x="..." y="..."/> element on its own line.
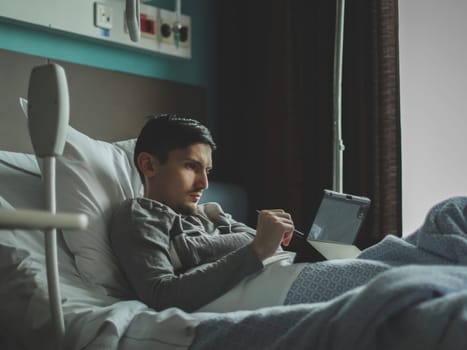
<point x="190" y="166"/>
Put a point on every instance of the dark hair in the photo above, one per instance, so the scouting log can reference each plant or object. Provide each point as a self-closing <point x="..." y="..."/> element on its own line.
<point x="167" y="132"/>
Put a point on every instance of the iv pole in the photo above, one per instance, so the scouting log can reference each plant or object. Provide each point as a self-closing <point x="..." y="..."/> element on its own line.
<point x="338" y="146"/>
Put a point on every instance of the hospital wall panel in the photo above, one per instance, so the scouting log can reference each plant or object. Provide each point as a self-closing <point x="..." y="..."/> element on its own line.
<point x="105" y="104"/>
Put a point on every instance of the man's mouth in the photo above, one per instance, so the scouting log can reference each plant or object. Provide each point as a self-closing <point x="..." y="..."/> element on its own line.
<point x="195" y="196"/>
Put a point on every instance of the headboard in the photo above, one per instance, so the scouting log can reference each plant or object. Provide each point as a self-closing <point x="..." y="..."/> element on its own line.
<point x="104" y="104"/>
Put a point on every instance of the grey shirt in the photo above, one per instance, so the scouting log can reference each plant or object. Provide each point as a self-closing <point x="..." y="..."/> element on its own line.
<point x="175" y="261"/>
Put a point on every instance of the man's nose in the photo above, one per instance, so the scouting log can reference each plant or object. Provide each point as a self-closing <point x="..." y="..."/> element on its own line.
<point x="203" y="181"/>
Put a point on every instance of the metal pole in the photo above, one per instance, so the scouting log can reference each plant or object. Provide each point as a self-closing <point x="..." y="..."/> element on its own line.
<point x="338" y="145"/>
<point x="53" y="281"/>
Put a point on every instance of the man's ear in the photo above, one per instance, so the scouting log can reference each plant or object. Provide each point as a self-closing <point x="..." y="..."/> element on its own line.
<point x="147" y="163"/>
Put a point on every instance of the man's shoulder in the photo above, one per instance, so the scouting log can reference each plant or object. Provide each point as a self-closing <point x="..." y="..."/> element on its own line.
<point x="214" y="213"/>
<point x="142" y="206"/>
<point x="137" y="216"/>
<point x="143" y="203"/>
<point x="210" y="209"/>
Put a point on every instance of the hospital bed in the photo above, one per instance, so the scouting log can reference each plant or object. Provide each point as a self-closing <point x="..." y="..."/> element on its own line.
<point x="410" y="307"/>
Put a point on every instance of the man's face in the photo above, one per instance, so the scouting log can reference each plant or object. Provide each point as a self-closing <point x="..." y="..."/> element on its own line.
<point x="181" y="180"/>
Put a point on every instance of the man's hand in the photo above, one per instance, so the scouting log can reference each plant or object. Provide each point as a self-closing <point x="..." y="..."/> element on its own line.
<point x="274" y="227"/>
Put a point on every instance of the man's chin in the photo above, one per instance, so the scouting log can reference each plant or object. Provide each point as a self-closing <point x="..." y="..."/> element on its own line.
<point x="187" y="209"/>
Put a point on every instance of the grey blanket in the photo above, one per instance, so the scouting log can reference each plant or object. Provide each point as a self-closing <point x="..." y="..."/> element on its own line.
<point x="417" y="301"/>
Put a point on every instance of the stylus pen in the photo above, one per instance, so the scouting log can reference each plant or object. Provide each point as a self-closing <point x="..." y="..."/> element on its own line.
<point x="295" y="230"/>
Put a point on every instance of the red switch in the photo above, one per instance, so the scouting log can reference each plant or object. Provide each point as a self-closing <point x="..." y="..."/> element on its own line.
<point x="147" y="24"/>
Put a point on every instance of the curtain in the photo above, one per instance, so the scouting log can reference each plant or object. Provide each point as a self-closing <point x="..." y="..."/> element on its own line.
<point x="372" y="114"/>
<point x="275" y="106"/>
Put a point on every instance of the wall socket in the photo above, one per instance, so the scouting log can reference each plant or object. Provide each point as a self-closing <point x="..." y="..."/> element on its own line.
<point x="102" y="15"/>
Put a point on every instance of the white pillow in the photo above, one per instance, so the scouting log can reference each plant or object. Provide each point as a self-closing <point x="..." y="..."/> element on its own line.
<point x="92" y="177"/>
<point x="20" y="178"/>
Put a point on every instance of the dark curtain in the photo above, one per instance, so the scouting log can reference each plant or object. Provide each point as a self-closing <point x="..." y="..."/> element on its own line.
<point x="275" y="106"/>
<point x="372" y="114"/>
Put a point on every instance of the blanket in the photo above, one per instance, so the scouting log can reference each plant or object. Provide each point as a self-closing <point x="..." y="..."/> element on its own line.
<point x="413" y="307"/>
<point x="411" y="294"/>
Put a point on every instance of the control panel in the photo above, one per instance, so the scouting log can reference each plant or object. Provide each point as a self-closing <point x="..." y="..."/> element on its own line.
<point x="162" y="31"/>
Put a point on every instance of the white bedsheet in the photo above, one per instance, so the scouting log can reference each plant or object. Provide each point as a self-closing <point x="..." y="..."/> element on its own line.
<point x="268" y="287"/>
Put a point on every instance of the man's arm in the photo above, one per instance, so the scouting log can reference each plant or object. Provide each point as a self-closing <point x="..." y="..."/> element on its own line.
<point x="224" y="236"/>
<point x="196" y="250"/>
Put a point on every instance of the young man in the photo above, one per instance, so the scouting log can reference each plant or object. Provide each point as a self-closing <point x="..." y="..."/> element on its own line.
<point x="173" y="251"/>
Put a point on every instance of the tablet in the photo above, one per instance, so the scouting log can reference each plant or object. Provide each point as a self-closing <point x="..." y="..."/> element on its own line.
<point x="339" y="217"/>
<point x="334" y="229"/>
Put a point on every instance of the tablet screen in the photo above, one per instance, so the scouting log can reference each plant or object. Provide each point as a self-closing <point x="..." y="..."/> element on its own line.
<point x="339" y="217"/>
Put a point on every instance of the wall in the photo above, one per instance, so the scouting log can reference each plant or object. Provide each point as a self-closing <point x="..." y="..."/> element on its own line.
<point x="433" y="56"/>
<point x="196" y="71"/>
<point x="116" y="110"/>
